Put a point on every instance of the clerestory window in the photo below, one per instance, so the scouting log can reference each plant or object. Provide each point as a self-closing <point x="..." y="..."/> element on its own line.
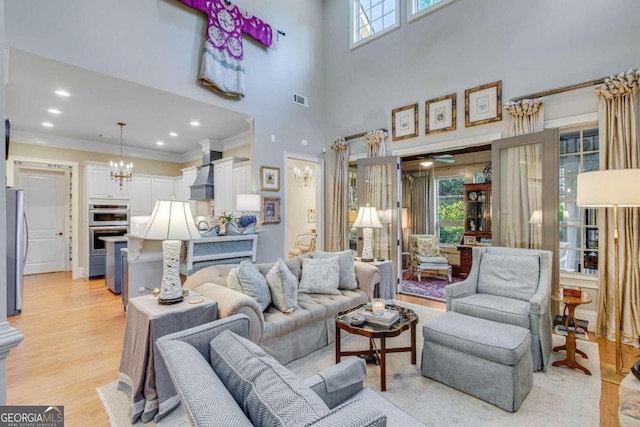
<point x="372" y="18"/>
<point x="418" y="8"/>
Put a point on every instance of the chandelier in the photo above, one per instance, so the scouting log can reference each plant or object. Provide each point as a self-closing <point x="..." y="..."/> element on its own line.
<point x="304" y="178"/>
<point x="121" y="171"/>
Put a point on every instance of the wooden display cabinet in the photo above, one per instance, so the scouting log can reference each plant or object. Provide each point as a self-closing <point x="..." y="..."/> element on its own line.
<point x="477" y="223"/>
<point x="477" y="210"/>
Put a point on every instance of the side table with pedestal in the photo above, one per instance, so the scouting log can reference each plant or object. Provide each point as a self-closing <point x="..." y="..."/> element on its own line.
<point x="142" y="375"/>
<point x="570" y="346"/>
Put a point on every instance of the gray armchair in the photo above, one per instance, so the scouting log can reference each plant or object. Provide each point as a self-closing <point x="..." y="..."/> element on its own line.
<point x="224" y="379"/>
<point x="511" y="286"/>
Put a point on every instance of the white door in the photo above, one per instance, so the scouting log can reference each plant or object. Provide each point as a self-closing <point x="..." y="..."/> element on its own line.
<point x="44" y="206"/>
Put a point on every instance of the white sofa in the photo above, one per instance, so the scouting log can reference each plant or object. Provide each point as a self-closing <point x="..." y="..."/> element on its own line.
<point x="286" y="337"/>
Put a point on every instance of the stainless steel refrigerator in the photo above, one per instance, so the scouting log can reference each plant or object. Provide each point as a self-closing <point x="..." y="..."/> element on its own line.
<point x="17" y="246"/>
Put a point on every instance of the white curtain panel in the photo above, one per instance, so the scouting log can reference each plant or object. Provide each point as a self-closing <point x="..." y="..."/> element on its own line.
<point x="620" y="149"/>
<point x="520" y="195"/>
<point x="378" y="195"/>
<point x="338" y="214"/>
<point x="527" y="116"/>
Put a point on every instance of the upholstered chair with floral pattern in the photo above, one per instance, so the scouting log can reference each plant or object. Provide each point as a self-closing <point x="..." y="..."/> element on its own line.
<point x="425" y="249"/>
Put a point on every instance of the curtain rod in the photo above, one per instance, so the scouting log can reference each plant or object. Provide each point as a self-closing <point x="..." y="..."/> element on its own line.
<point x="560" y="89"/>
<point x="361" y="134"/>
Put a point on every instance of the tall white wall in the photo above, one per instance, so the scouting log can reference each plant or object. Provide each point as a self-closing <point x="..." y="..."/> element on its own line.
<point x="158" y="43"/>
<point x="529" y="45"/>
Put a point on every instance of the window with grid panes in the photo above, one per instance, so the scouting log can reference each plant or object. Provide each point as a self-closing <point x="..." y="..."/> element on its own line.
<point x="579" y="152"/>
<point x="450" y="209"/>
<point x="420" y="8"/>
<point x="371" y="18"/>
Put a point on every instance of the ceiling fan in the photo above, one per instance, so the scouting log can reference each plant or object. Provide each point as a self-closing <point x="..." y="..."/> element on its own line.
<point x="444" y="158"/>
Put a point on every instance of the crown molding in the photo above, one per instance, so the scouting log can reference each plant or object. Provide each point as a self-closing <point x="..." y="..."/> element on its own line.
<point x="46" y="140"/>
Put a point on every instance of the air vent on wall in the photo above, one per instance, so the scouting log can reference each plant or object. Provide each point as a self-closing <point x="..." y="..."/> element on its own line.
<point x="300" y="100"/>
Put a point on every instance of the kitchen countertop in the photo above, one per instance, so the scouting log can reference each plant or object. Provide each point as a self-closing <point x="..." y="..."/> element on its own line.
<point x="114" y="239"/>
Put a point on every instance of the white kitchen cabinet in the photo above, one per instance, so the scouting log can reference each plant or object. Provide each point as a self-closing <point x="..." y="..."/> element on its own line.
<point x="99" y="185"/>
<point x="145" y="190"/>
<point x="188" y="178"/>
<point x="242" y="178"/>
<point x="178" y="191"/>
<point x="161" y="189"/>
<point x="223" y="188"/>
<point x="231" y="176"/>
<point x="140" y="190"/>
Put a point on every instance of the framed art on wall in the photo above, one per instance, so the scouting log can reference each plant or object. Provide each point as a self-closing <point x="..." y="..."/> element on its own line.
<point x="440" y="114"/>
<point x="483" y="104"/>
<point x="271" y="210"/>
<point x="404" y="122"/>
<point x="269" y="178"/>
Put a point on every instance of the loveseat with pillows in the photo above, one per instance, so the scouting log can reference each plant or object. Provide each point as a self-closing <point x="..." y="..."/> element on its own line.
<point x="291" y="305"/>
<point x="223" y="379"/>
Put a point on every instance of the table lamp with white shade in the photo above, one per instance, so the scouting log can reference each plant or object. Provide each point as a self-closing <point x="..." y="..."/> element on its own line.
<point x="611" y="188"/>
<point x="367" y="219"/>
<point x="171" y="222"/>
<point x="248" y="203"/>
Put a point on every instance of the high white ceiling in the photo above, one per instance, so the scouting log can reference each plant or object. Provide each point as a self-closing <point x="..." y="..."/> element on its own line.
<point x="88" y="118"/>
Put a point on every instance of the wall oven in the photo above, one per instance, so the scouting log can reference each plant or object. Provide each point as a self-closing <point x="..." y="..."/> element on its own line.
<point x="108" y="215"/>
<point x="97" y="246"/>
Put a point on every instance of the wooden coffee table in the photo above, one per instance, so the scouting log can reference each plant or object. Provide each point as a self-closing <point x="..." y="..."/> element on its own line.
<point x="408" y="319"/>
<point x="570" y="345"/>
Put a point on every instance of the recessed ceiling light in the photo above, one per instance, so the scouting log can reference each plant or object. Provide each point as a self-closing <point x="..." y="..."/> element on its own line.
<point x="173" y="134"/>
<point x="159" y="143"/>
<point x="194" y="123"/>
<point x="53" y="111"/>
<point x="63" y="93"/>
<point x="47" y="124"/>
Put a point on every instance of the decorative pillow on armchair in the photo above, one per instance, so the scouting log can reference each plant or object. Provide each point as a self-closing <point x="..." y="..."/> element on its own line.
<point x="268" y="393"/>
<point x="320" y="276"/>
<point x="427" y="247"/>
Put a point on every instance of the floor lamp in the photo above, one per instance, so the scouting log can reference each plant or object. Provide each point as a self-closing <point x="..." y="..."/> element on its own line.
<point x="611" y="188"/>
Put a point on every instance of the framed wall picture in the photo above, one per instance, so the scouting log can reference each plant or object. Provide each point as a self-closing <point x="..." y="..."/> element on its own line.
<point x="469" y="240"/>
<point x="440" y="114"/>
<point x="404" y="122"/>
<point x="483" y="104"/>
<point x="269" y="178"/>
<point x="270" y="210"/>
<point x="311" y="216"/>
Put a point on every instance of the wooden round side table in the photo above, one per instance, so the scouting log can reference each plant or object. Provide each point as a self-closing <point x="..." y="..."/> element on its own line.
<point x="570" y="344"/>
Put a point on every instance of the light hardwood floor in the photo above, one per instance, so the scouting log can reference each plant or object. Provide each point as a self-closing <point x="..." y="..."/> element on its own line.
<point x="73" y="340"/>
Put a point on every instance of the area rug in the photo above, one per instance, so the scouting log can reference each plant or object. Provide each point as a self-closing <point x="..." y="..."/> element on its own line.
<point x="428" y="287"/>
<point x="559" y="396"/>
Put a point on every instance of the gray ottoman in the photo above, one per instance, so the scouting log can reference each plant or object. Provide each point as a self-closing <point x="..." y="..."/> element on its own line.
<point x="489" y="360"/>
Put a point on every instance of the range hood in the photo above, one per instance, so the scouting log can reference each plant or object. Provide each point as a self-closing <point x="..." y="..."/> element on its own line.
<point x="202" y="188"/>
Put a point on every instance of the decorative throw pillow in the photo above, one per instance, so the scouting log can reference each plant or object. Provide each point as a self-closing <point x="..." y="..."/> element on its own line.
<point x="246" y="278"/>
<point x="427" y="246"/>
<point x="346" y="265"/>
<point x="269" y="393"/>
<point x="320" y="276"/>
<point x="284" y="287"/>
